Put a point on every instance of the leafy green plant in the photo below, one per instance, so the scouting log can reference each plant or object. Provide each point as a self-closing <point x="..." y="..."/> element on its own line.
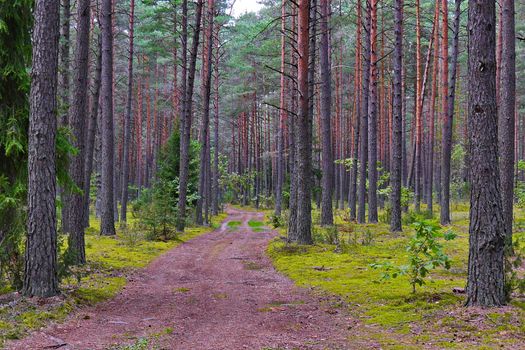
<point x="425" y="253"/>
<point x="276" y="221"/>
<point x="327" y="235"/>
<point x="407" y="196"/>
<point x="132" y="234"/>
<point x="412" y="217"/>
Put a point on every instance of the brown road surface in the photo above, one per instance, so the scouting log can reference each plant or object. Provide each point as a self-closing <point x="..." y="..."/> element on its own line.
<point x="217" y="291"/>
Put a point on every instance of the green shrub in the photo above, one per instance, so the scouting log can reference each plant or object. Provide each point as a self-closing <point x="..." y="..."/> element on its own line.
<point x="425" y="253"/>
<point x="277" y="221"/>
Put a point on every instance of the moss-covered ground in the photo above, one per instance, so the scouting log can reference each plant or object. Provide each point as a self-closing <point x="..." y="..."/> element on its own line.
<point x="109" y="261"/>
<point x="387" y="312"/>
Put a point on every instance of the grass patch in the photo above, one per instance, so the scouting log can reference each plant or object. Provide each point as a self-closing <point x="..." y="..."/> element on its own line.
<point x="234" y="224"/>
<point x="255" y="223"/>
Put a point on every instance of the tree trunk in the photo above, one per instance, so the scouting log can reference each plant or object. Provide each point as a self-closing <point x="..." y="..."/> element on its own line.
<point x="216" y="172"/>
<point x="78" y="121"/>
<point x="419" y="109"/>
<point x="205" y="128"/>
<point x="107" y="224"/>
<point x="40" y="271"/>
<point x="485" y="286"/>
<point x="506" y="118"/>
<point x="446" y="144"/>
<point x="312" y="67"/>
<point x="303" y="234"/>
<point x="326" y="106"/>
<point x="372" y="118"/>
<point x="292" y="130"/>
<point x="128" y="121"/>
<point x="352" y="201"/>
<point x="432" y="113"/>
<point x="363" y="151"/>
<point x="91" y="132"/>
<point x="63" y="91"/>
<point x="397" y="121"/>
<point x="187" y="114"/>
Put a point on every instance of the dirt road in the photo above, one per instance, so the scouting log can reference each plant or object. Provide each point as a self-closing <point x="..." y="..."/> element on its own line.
<point x="217" y="291"/>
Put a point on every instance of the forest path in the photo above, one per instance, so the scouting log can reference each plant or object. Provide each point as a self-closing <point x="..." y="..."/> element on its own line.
<point x="217" y="291"/>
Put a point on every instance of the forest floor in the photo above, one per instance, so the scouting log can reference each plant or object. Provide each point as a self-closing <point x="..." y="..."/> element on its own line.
<point x="242" y="287"/>
<point x="387" y="312"/>
<point x="216" y="291"/>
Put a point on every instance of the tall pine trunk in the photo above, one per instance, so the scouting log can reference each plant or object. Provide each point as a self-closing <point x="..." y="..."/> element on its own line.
<point x="485" y="286"/>
<point x="63" y="91"/>
<point x="363" y="150"/>
<point x="303" y="234"/>
<point x="187" y="114"/>
<point x="128" y="121"/>
<point x="326" y="106"/>
<point x="91" y="133"/>
<point x="397" y="121"/>
<point x="372" y="118"/>
<point x="205" y="127"/>
<point x="107" y="223"/>
<point x="215" y="191"/>
<point x="40" y="271"/>
<point x="446" y="143"/>
<point x="352" y="201"/>
<point x="506" y="118"/>
<point x="78" y="121"/>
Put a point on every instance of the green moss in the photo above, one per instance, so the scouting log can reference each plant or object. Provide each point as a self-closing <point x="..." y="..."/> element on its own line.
<point x="95" y="290"/>
<point x="35" y="318"/>
<point x="255" y="223"/>
<point x="234" y="224"/>
<point x="389" y="308"/>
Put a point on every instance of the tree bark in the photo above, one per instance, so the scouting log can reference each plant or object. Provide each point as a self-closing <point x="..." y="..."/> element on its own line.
<point x="485" y="285"/>
<point x="363" y="151"/>
<point x="303" y="234"/>
<point x="187" y="115"/>
<point x="91" y="132"/>
<point x="107" y="224"/>
<point x="63" y="92"/>
<point x="372" y="118"/>
<point x="78" y="121"/>
<point x="446" y="143"/>
<point x="419" y="108"/>
<point x="326" y="106"/>
<point x="205" y="127"/>
<point x="128" y="121"/>
<point x="506" y="118"/>
<point x="215" y="192"/>
<point x="40" y="271"/>
<point x="352" y="201"/>
<point x="432" y="113"/>
<point x="397" y="121"/>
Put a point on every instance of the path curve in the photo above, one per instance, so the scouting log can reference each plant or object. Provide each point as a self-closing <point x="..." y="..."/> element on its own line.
<point x="217" y="291"/>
